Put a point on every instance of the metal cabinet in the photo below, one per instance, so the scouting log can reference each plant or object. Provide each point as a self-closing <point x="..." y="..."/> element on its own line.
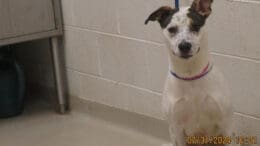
<point x="28" y="20"/>
<point x="24" y="20"/>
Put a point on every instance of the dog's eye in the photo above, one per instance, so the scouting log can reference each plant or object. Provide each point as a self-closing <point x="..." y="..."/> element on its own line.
<point x="173" y="29"/>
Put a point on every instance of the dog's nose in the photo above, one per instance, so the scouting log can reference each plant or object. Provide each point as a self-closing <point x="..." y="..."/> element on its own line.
<point x="184" y="47"/>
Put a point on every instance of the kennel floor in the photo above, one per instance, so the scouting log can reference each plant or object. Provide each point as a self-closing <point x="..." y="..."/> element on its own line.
<point x="41" y="126"/>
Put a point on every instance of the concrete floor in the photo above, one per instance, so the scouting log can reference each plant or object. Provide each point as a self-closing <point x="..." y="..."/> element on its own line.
<point x="41" y="126"/>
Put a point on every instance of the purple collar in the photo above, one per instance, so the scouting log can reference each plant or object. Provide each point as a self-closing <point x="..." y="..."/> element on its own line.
<point x="204" y="72"/>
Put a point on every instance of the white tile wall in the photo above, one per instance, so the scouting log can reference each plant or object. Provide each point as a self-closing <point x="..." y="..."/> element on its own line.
<point x="243" y="77"/>
<point x="239" y="22"/>
<point x="120" y="95"/>
<point x="74" y="83"/>
<point x="96" y="15"/>
<point x="81" y="49"/>
<point x="67" y="11"/>
<point x="157" y="58"/>
<point x="123" y="60"/>
<point x="133" y="13"/>
<point x="113" y="58"/>
<point x="246" y="126"/>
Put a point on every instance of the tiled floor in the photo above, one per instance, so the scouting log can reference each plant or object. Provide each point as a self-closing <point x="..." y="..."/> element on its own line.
<point x="40" y="126"/>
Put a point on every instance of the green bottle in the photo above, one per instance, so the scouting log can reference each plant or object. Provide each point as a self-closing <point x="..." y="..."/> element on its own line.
<point x="12" y="85"/>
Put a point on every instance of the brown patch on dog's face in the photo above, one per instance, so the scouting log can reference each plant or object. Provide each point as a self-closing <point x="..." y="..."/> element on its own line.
<point x="202" y="7"/>
<point x="163" y="15"/>
<point x="198" y="13"/>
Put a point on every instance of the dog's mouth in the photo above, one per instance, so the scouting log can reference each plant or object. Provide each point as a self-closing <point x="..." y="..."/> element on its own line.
<point x="183" y="56"/>
<point x="186" y="56"/>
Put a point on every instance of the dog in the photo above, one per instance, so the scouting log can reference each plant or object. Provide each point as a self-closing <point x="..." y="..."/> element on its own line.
<point x="195" y="98"/>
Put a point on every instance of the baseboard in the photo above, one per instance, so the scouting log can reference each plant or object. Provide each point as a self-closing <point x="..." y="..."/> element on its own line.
<point x="134" y="121"/>
<point x="151" y="126"/>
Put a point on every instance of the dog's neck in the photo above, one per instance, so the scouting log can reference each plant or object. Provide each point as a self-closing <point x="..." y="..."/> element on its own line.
<point x="187" y="68"/>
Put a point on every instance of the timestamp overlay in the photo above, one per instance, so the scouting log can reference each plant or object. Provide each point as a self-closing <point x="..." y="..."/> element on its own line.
<point x="221" y="140"/>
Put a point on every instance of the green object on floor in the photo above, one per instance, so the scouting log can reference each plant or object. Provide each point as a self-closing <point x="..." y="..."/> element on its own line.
<point x="12" y="85"/>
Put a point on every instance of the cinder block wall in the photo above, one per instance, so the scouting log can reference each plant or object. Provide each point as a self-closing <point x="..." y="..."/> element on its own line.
<point x="114" y="59"/>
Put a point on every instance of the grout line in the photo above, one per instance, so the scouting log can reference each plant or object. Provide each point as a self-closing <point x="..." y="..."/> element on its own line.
<point x="118" y="24"/>
<point x="236" y="57"/>
<point x="99" y="62"/>
<point x="114" y="35"/>
<point x="247" y="116"/>
<point x="246" y="1"/>
<point x="80" y="72"/>
<point x="147" y="66"/>
<point x="115" y="82"/>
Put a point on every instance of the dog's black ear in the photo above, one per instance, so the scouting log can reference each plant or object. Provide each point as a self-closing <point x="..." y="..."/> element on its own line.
<point x="162" y="15"/>
<point x="202" y="7"/>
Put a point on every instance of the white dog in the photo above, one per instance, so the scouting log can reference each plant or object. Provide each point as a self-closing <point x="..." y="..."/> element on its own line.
<point x="196" y="101"/>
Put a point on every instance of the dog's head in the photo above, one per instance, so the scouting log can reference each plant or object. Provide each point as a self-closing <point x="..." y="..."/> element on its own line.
<point x="182" y="27"/>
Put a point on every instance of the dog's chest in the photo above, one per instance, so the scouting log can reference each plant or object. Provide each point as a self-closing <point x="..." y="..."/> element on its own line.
<point x="197" y="106"/>
<point x="197" y="114"/>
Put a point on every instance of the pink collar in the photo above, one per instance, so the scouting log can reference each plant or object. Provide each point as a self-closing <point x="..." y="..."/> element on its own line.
<point x="204" y="72"/>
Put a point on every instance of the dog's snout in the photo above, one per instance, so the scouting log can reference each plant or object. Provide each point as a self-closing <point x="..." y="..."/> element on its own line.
<point x="185" y="47"/>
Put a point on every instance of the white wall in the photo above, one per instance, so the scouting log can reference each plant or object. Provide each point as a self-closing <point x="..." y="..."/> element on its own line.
<point x="114" y="59"/>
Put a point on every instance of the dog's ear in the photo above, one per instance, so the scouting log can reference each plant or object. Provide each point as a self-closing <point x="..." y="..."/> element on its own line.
<point x="202" y="7"/>
<point x="162" y="15"/>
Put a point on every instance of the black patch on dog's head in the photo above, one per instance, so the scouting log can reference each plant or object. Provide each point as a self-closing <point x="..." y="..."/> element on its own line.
<point x="197" y="20"/>
<point x="163" y="15"/>
<point x="198" y="13"/>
